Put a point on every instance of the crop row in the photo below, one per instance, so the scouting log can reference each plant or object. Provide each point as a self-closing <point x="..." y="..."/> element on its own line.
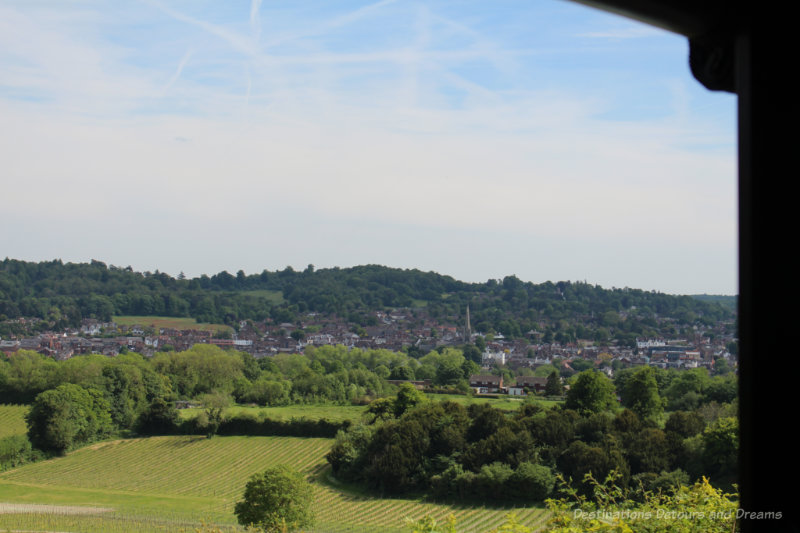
<point x="165" y="481"/>
<point x="177" y="466"/>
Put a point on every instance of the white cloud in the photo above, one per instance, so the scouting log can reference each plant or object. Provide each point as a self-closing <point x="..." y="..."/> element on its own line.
<point x="292" y="147"/>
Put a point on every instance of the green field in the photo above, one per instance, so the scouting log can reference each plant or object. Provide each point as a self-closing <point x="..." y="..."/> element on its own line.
<point x="12" y="420"/>
<point x="168" y="322"/>
<point x="273" y="297"/>
<point x="506" y="403"/>
<point x="175" y="483"/>
<point x="334" y="413"/>
<point x="354" y="412"/>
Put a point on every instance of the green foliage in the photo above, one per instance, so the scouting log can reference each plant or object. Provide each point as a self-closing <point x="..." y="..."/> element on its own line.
<point x="686" y="389"/>
<point x="721" y="446"/>
<point x="591" y="392"/>
<point x="532" y="482"/>
<point x="25" y="375"/>
<point x="648" y="451"/>
<point x="347" y="456"/>
<point x="14" y="451"/>
<point x="68" y="416"/>
<point x="160" y="418"/>
<point x="580" y="460"/>
<point x="64" y="293"/>
<point x="640" y="394"/>
<point x="266" y="392"/>
<point x="553" y="386"/>
<point x="407" y="398"/>
<point x="687" y="509"/>
<point x="277" y="499"/>
<point x="214" y="405"/>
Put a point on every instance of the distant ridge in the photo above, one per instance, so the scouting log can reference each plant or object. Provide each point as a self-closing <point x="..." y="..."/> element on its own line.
<point x="63" y="294"/>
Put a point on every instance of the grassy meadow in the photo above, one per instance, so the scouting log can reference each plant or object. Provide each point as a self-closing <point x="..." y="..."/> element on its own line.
<point x="504" y="402"/>
<point x="12" y="420"/>
<point x="178" y="483"/>
<point x="355" y="412"/>
<point x="168" y="322"/>
<point x="273" y="297"/>
<point x="12" y="417"/>
<point x="311" y="412"/>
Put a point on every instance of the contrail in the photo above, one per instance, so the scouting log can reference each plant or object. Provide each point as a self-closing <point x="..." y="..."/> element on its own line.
<point x="178" y="71"/>
<point x="255" y="20"/>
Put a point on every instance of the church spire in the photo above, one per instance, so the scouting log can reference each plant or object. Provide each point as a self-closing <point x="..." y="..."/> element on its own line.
<point x="467" y="328"/>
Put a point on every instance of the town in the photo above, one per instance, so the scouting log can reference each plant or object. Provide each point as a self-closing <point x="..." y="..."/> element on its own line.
<point x="401" y="330"/>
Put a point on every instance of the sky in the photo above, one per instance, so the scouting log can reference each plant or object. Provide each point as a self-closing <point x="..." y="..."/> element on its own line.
<point x="542" y="139"/>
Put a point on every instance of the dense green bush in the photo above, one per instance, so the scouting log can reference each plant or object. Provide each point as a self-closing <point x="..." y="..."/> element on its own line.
<point x="16" y="450"/>
<point x="160" y="418"/>
<point x="68" y="416"/>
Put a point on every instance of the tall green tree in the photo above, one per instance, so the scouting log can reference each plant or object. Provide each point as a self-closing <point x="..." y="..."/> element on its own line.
<point x="276" y="500"/>
<point x="408" y="397"/>
<point x="214" y="405"/>
<point x="641" y="396"/>
<point x="66" y="417"/>
<point x="592" y="392"/>
<point x="553" y="386"/>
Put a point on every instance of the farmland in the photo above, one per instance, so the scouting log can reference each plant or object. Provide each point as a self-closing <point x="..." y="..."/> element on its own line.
<point x="175" y="483"/>
<point x="12" y="420"/>
<point x="168" y="322"/>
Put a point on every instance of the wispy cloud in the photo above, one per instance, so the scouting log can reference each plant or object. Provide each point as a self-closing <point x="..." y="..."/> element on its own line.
<point x="178" y="70"/>
<point x="233" y="39"/>
<point x="255" y="20"/>
<point x="395" y="132"/>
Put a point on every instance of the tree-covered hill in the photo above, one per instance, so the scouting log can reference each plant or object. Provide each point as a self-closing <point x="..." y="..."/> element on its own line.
<point x="61" y="294"/>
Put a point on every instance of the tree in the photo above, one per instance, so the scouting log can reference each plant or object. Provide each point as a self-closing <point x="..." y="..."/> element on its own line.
<point x="480" y="344"/>
<point x="214" y="405"/>
<point x="721" y="446"/>
<point x="408" y="397"/>
<point x="640" y="394"/>
<point x="473" y="353"/>
<point x="553" y="386"/>
<point x="68" y="416"/>
<point x="592" y="392"/>
<point x="160" y="418"/>
<point x="275" y="500"/>
<point x="402" y="373"/>
<point x="381" y="409"/>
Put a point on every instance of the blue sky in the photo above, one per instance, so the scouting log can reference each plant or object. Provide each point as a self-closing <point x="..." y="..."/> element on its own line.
<point x="542" y="139"/>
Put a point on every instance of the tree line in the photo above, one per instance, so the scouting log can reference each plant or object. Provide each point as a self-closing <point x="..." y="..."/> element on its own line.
<point x="62" y="294"/>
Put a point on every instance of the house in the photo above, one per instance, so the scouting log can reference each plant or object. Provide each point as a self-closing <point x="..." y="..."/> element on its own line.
<point x="486" y="383"/>
<point x="527" y="383"/>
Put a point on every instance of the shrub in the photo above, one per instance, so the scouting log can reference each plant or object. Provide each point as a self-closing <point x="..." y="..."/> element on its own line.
<point x="160" y="418"/>
<point x="687" y="509"/>
<point x="14" y="451"/>
<point x="532" y="482"/>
